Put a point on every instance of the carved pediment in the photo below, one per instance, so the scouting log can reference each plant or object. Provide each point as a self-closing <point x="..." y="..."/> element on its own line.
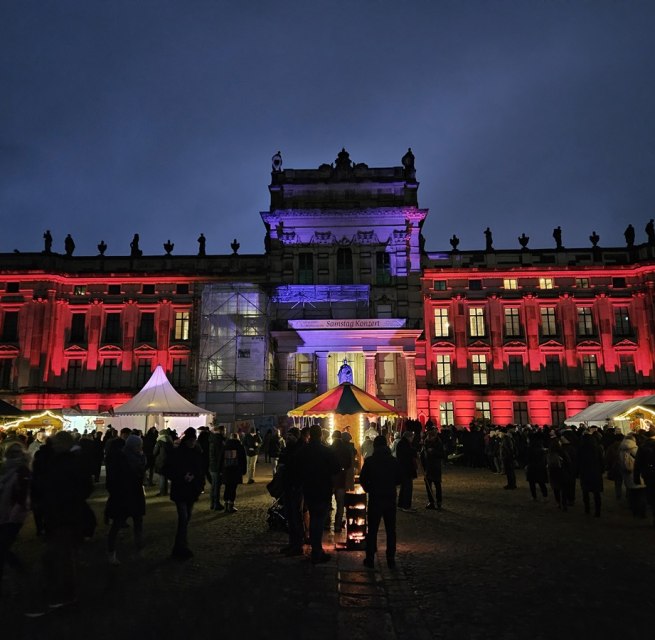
<point x="322" y="237"/>
<point x="75" y="351"/>
<point x="443" y="345"/>
<point x="366" y="237"/>
<point x="514" y="345"/>
<point x="145" y="351"/>
<point x="588" y="344"/>
<point x="626" y="345"/>
<point x="179" y="350"/>
<point x="478" y="345"/>
<point x="552" y="346"/>
<point x="109" y="351"/>
<point x="7" y="350"/>
<point x="399" y="237"/>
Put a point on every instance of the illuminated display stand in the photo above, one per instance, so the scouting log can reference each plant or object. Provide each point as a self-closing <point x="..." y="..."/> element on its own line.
<point x="355" y="507"/>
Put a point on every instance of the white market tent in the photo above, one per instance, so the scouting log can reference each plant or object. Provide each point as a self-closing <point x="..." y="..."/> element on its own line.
<point x="159" y="399"/>
<point x="618" y="413"/>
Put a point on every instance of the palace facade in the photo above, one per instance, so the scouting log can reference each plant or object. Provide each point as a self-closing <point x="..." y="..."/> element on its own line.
<point x="509" y="336"/>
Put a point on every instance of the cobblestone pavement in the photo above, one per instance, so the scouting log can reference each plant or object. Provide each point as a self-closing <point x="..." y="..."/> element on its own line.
<point x="492" y="564"/>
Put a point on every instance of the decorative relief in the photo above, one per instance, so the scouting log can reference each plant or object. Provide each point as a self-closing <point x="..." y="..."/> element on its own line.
<point x="322" y="237"/>
<point x="366" y="237"/>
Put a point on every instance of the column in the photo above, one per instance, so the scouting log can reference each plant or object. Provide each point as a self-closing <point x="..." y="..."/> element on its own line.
<point x="410" y="377"/>
<point x="371" y="385"/>
<point x="283" y="371"/>
<point x="321" y="367"/>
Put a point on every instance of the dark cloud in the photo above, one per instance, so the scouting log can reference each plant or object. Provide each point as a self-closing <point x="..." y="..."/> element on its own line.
<point x="160" y="117"/>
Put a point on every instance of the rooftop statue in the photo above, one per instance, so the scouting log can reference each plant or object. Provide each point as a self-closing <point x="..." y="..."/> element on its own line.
<point x="47" y="242"/>
<point x="343" y="160"/>
<point x="276" y="162"/>
<point x="69" y="245"/>
<point x="557" y="235"/>
<point x="201" y="244"/>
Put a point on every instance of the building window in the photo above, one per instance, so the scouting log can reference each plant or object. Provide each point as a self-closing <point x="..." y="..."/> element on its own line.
<point x="545" y="283"/>
<point x="302" y="373"/>
<point x="512" y="323"/>
<point x="557" y="413"/>
<point x="113" y="327"/>
<point x="439" y="285"/>
<point x="618" y="283"/>
<point x="147" y="327"/>
<point x="78" y="328"/>
<point x="585" y="322"/>
<point x="181" y="331"/>
<point x="382" y="268"/>
<point x="344" y="266"/>
<point x="10" y="326"/>
<point x="446" y="413"/>
<point x="74" y="374"/>
<point x="6" y="369"/>
<point x="553" y="370"/>
<point x="476" y="322"/>
<point x="384" y="311"/>
<point x="627" y="371"/>
<point x="548" y="322"/>
<point x="521" y="413"/>
<point x="441" y="324"/>
<point x="475" y="285"/>
<point x="79" y="290"/>
<point x="114" y="289"/>
<point x="622" y="325"/>
<point x="109" y="373"/>
<point x="589" y="369"/>
<point x="12" y="287"/>
<point x="143" y="371"/>
<point x="305" y="268"/>
<point x="510" y="283"/>
<point x="182" y="289"/>
<point x="516" y="371"/>
<point x="483" y="410"/>
<point x="179" y="373"/>
<point x="479" y="362"/>
<point x="148" y="289"/>
<point x="582" y="283"/>
<point x="443" y="369"/>
<point x="386" y="368"/>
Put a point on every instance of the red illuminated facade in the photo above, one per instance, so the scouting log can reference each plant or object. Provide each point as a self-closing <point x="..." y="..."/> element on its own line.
<point x="534" y="336"/>
<point x="525" y="336"/>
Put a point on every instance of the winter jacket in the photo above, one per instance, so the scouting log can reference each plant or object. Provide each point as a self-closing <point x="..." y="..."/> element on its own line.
<point x="163" y="447"/>
<point x="15" y="480"/>
<point x="590" y="464"/>
<point x="407" y="459"/>
<point x="379" y="477"/>
<point x="645" y="463"/>
<point x="216" y="444"/>
<point x="432" y="455"/>
<point x="626" y="461"/>
<point x="317" y="464"/>
<point x="184" y="468"/>
<point x="126" y="496"/>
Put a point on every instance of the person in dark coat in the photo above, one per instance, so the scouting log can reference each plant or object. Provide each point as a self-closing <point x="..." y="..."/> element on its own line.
<point x="203" y="443"/>
<point x="292" y="496"/>
<point x="379" y="477"/>
<point x="126" y="496"/>
<point x="508" y="457"/>
<point x="149" y="441"/>
<point x="569" y="481"/>
<point x="343" y="451"/>
<point x="68" y="519"/>
<point x="432" y="456"/>
<point x="216" y="444"/>
<point x="232" y="467"/>
<point x="185" y="470"/>
<point x="644" y="467"/>
<point x="408" y="463"/>
<point x="275" y="447"/>
<point x="590" y="467"/>
<point x="161" y="452"/>
<point x="559" y="471"/>
<point x="317" y="465"/>
<point x="536" y="469"/>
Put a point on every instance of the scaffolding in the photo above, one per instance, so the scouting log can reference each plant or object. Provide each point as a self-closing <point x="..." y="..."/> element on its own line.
<point x="234" y="350"/>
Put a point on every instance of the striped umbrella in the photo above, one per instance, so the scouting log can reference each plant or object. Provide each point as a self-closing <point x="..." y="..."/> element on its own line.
<point x="346" y="399"/>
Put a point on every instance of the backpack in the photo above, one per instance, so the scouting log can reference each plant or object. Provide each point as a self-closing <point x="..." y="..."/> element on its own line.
<point x="627" y="461"/>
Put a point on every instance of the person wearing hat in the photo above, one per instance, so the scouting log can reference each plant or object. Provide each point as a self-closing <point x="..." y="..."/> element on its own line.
<point x="185" y="470"/>
<point x="38" y="442"/>
<point x="379" y="477"/>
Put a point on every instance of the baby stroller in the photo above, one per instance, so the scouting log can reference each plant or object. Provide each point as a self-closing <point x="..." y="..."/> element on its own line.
<point x="276" y="516"/>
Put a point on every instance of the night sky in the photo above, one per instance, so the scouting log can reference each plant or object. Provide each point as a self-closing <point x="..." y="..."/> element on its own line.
<point x="160" y="117"/>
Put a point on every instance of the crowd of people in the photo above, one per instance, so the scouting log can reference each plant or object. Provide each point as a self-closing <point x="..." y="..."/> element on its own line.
<point x="53" y="477"/>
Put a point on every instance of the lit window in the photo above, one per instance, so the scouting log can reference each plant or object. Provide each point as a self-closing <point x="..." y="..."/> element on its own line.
<point x="589" y="369"/>
<point x="483" y="410"/>
<point x="447" y="413"/>
<point x="548" y="321"/>
<point x="443" y="369"/>
<point x="585" y="322"/>
<point x="181" y="325"/>
<point x="512" y="323"/>
<point x="582" y="283"/>
<point x="476" y="322"/>
<point x="545" y="283"/>
<point x="79" y="290"/>
<point x="479" y="365"/>
<point x="441" y="324"/>
<point x="510" y="283"/>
